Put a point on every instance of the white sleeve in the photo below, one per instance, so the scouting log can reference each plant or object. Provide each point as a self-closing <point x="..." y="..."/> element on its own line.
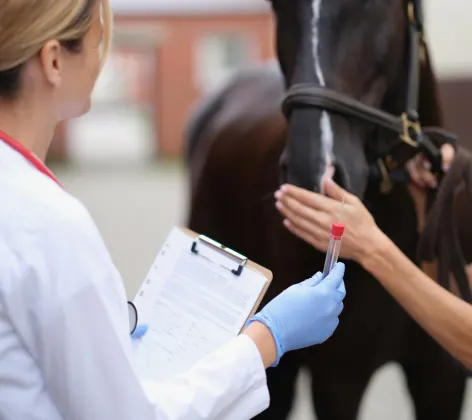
<point x="77" y="318"/>
<point x="229" y="384"/>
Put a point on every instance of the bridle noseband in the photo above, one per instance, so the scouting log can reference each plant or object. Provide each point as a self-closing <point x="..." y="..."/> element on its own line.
<point x="407" y="126"/>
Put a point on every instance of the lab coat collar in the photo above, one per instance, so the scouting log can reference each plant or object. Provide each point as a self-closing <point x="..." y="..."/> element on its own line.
<point x="28" y="155"/>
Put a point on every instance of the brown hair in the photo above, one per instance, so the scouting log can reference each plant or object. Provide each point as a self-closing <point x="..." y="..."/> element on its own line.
<point x="26" y="25"/>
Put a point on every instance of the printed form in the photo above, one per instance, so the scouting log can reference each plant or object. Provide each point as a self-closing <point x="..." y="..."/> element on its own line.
<point x="192" y="304"/>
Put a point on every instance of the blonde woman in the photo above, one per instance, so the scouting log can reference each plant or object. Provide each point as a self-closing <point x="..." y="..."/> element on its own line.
<point x="444" y="316"/>
<point x="65" y="347"/>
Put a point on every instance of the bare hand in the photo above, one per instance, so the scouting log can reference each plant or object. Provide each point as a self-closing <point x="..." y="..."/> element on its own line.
<point x="309" y="216"/>
<point x="419" y="168"/>
<point x="421" y="177"/>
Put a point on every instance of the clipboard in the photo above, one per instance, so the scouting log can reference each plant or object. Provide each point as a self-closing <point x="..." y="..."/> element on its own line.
<point x="235" y="257"/>
<point x="197" y="296"/>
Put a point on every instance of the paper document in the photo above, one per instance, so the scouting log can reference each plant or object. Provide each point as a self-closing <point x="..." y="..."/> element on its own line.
<point x="192" y="304"/>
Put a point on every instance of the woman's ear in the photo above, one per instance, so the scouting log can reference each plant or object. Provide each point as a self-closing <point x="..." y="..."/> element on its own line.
<point x="51" y="62"/>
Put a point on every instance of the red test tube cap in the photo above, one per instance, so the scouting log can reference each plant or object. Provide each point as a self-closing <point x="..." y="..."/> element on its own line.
<point x="337" y="229"/>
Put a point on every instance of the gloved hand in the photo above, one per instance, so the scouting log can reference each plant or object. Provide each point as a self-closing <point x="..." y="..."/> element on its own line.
<point x="306" y="313"/>
<point x="139" y="332"/>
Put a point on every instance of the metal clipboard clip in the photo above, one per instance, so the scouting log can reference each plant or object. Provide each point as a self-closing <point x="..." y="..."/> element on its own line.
<point x="235" y="255"/>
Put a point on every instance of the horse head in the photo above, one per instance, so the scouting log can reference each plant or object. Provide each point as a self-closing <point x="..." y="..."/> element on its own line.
<point x="351" y="67"/>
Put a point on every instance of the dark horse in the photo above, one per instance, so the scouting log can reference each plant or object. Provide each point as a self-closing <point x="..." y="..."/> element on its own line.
<point x="239" y="140"/>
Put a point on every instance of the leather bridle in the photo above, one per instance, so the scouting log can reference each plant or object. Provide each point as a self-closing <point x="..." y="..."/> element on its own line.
<point x="407" y="126"/>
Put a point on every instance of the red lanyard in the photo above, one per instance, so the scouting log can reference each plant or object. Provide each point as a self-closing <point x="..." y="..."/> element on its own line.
<point x="23" y="151"/>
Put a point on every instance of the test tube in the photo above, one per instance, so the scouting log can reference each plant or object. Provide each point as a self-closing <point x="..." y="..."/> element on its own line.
<point x="337" y="230"/>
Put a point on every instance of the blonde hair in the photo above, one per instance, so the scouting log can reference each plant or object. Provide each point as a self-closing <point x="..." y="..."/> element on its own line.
<point x="26" y="25"/>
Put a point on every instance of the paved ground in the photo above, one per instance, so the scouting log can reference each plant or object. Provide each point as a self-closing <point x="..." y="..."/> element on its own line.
<point x="135" y="208"/>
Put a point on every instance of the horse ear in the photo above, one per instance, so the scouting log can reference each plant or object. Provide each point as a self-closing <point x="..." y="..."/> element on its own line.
<point x="429" y="106"/>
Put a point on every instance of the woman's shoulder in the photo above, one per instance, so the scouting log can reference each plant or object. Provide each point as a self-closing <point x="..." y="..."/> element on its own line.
<point x="38" y="205"/>
<point x="49" y="242"/>
<point x="41" y="220"/>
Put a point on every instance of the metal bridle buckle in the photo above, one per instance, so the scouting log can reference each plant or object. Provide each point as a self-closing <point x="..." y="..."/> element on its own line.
<point x="409" y="124"/>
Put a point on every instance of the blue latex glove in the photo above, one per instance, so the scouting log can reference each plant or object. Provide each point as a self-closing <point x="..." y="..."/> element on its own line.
<point x="306" y="313"/>
<point x="139" y="332"/>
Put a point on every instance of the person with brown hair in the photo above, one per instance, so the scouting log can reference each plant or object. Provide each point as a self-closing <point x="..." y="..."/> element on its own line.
<point x="446" y="317"/>
<point x="65" y="345"/>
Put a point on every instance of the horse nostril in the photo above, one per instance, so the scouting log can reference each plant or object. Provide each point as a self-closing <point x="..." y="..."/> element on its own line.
<point x="338" y="178"/>
<point x="283" y="173"/>
<point x="341" y="177"/>
<point x="283" y="168"/>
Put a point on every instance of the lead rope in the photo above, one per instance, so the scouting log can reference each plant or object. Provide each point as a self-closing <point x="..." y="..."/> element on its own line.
<point x="439" y="240"/>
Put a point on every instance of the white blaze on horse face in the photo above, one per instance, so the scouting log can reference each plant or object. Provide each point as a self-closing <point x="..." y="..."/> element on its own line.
<point x="325" y="123"/>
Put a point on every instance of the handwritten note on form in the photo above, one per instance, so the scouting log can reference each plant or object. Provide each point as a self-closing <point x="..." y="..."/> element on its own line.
<point x="192" y="304"/>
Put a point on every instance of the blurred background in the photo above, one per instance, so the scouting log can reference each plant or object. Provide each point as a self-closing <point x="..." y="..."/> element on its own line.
<point x="124" y="159"/>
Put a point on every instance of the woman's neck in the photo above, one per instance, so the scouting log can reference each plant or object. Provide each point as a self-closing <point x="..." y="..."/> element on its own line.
<point x="34" y="130"/>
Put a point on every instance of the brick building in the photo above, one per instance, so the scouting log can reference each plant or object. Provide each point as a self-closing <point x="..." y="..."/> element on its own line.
<point x="166" y="55"/>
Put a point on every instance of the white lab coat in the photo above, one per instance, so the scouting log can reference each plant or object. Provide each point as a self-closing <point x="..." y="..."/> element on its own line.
<point x="65" y="349"/>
